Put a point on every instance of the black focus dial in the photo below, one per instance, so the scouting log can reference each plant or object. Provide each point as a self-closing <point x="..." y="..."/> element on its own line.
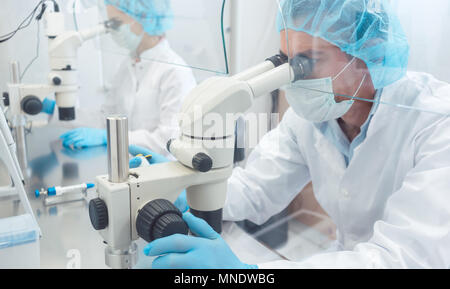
<point x="202" y="162"/>
<point x="159" y="218"/>
<point x="31" y="105"/>
<point x="98" y="212"/>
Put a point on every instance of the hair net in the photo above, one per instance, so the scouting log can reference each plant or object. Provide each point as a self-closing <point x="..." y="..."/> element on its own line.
<point x="155" y="15"/>
<point x="366" y="29"/>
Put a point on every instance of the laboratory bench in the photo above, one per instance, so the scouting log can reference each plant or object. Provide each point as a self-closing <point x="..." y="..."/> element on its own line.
<point x="68" y="238"/>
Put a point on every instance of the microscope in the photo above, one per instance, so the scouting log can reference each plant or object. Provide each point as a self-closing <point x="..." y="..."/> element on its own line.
<point x="139" y="202"/>
<point x="26" y="99"/>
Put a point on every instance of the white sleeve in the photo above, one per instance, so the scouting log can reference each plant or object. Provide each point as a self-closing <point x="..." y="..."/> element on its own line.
<point x="275" y="173"/>
<point x="415" y="229"/>
<point x="175" y="86"/>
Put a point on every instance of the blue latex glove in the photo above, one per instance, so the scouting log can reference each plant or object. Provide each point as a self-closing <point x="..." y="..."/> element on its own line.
<point x="181" y="202"/>
<point x="84" y="137"/>
<point x="207" y="251"/>
<point x="136" y="162"/>
<point x="48" y="106"/>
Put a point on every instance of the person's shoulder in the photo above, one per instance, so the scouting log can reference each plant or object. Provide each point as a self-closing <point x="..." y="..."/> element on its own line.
<point x="420" y="87"/>
<point x="421" y="91"/>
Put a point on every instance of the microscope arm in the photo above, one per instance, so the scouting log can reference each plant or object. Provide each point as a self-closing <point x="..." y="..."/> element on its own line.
<point x="223" y="98"/>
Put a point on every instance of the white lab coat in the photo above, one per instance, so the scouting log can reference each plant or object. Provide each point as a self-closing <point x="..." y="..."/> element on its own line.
<point x="391" y="204"/>
<point x="151" y="93"/>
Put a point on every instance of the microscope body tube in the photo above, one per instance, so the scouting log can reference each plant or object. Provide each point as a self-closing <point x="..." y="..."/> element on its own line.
<point x="93" y="32"/>
<point x="117" y="136"/>
<point x="271" y="80"/>
<point x="55" y="24"/>
<point x="255" y="71"/>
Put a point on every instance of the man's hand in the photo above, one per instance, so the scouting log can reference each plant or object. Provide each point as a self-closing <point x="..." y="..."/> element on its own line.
<point x="84" y="137"/>
<point x="136" y="162"/>
<point x="207" y="251"/>
<point x="48" y="106"/>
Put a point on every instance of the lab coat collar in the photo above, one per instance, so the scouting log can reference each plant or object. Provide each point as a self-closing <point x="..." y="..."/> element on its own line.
<point x="333" y="133"/>
<point x="156" y="52"/>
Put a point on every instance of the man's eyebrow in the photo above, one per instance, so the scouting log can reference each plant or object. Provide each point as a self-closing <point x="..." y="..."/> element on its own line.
<point x="308" y="53"/>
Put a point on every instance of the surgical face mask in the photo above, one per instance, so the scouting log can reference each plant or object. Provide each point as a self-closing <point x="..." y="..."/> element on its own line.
<point x="125" y="38"/>
<point x="313" y="99"/>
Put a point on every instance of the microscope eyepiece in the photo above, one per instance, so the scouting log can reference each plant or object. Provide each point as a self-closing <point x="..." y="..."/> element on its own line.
<point x="302" y="66"/>
<point x="113" y="24"/>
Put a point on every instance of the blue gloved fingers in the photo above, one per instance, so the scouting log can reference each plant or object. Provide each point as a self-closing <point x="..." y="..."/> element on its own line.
<point x="78" y="130"/>
<point x="70" y="141"/>
<point x="48" y="106"/>
<point x="156" y="158"/>
<point x="67" y="134"/>
<point x="136" y="150"/>
<point x="177" y="243"/>
<point x="71" y="136"/>
<point x="135" y="163"/>
<point x="84" y="137"/>
<point x="200" y="227"/>
<point x="172" y="261"/>
<point x="181" y="202"/>
<point x="79" y="144"/>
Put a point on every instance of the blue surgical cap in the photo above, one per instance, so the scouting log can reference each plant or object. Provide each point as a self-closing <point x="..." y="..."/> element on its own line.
<point x="366" y="29"/>
<point x="155" y="15"/>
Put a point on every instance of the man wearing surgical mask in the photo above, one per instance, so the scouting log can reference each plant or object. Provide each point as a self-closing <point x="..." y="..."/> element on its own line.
<point x="373" y="139"/>
<point x="148" y="87"/>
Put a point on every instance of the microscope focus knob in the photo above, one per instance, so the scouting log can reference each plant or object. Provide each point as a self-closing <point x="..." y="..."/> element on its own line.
<point x="31" y="105"/>
<point x="56" y="80"/>
<point x="159" y="218"/>
<point x="6" y="98"/>
<point x="202" y="162"/>
<point x="98" y="213"/>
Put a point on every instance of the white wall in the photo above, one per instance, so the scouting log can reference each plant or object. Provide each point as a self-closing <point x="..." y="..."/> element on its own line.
<point x="427" y="25"/>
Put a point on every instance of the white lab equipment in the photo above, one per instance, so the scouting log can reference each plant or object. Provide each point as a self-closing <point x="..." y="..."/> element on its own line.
<point x="58" y="191"/>
<point x="391" y="204"/>
<point x="57" y="195"/>
<point x="19" y="243"/>
<point x="26" y="99"/>
<point x="138" y="203"/>
<point x="63" y="48"/>
<point x="19" y="235"/>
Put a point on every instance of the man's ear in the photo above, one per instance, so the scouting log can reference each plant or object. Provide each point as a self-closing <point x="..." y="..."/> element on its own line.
<point x="361" y="64"/>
